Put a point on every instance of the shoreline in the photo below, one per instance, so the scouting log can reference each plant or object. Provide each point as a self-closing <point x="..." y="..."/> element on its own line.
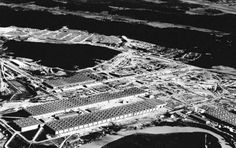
<point x="166" y="128"/>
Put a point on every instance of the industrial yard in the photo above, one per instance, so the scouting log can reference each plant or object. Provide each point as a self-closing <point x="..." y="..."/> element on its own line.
<point x="49" y="106"/>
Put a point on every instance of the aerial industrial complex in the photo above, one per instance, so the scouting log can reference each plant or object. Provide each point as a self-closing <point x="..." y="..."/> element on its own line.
<point x="41" y="105"/>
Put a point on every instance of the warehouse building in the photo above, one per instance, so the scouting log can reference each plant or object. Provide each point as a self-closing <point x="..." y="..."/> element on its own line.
<point x="79" y="78"/>
<point x="72" y="124"/>
<point x="220" y="114"/>
<point x="27" y="124"/>
<point x="65" y="105"/>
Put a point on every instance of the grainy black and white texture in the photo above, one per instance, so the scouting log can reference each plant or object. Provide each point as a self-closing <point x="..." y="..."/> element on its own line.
<point x="117" y="73"/>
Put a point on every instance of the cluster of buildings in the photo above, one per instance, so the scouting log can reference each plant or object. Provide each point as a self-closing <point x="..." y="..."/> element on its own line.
<point x="68" y="116"/>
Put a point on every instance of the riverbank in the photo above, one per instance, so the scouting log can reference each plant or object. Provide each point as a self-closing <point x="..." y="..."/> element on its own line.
<point x="169" y="128"/>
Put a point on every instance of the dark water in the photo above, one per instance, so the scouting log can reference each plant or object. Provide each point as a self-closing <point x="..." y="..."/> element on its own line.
<point x="63" y="56"/>
<point x="220" y="49"/>
<point x="171" y="12"/>
<point x="174" y="140"/>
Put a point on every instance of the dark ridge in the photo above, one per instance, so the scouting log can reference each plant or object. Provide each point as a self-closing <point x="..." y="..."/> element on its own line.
<point x="42" y="20"/>
<point x="224" y="22"/>
<point x="47" y="3"/>
<point x="166" y="12"/>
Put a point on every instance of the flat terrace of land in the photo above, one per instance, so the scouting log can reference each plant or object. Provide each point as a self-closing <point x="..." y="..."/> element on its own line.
<point x="64" y="35"/>
<point x="68" y="104"/>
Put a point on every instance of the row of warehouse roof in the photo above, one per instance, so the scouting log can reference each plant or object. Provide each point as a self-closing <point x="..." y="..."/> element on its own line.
<point x="220" y="114"/>
<point x="79" y="77"/>
<point x="67" y="104"/>
<point x="80" y="121"/>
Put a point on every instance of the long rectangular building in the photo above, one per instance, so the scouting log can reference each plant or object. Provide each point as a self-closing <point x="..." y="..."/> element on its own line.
<point x="27" y="124"/>
<point x="221" y="114"/>
<point x="70" y="124"/>
<point x="64" y="105"/>
<point x="79" y="77"/>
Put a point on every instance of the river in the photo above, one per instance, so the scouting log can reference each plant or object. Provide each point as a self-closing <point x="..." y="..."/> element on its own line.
<point x="154" y="130"/>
